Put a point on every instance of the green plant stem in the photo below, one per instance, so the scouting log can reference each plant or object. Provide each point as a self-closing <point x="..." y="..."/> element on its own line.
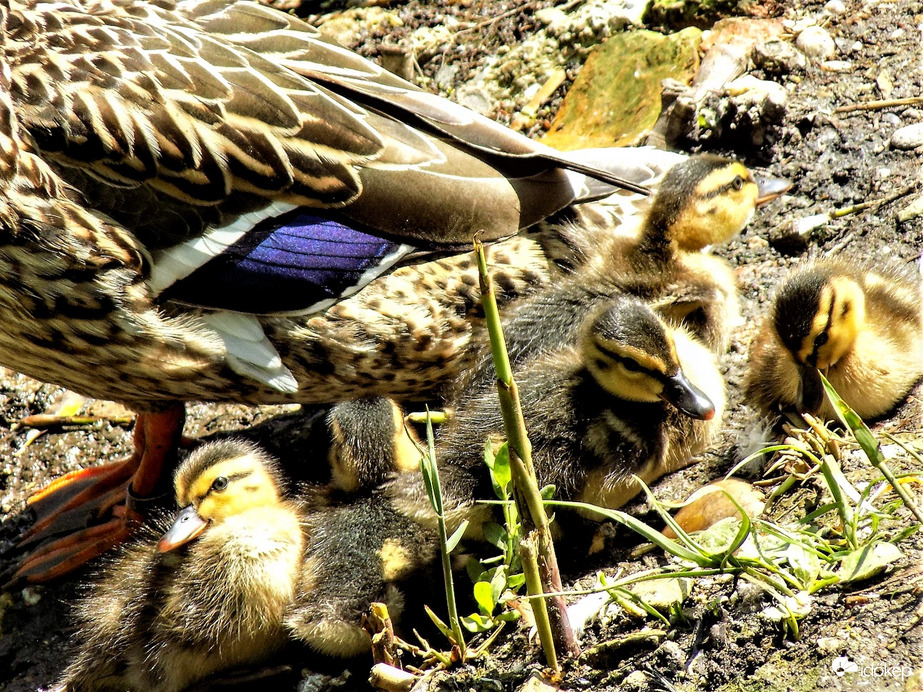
<point x="527" y="553"/>
<point x="431" y="474"/>
<point x="525" y="486"/>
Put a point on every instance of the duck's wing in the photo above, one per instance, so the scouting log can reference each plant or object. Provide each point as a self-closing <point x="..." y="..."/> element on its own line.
<point x="235" y="136"/>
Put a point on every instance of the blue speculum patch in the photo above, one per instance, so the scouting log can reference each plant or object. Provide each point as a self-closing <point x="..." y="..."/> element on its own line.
<point x="285" y="264"/>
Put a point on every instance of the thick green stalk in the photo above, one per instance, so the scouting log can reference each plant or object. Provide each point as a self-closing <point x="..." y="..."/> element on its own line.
<point x="525" y="485"/>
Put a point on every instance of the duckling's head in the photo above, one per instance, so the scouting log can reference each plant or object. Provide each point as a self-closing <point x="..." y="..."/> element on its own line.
<point x="631" y="354"/>
<point x="369" y="443"/>
<point x="708" y="199"/>
<point x="220" y="480"/>
<point x="818" y="314"/>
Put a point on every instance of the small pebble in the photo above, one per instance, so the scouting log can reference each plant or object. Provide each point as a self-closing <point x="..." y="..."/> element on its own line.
<point x="909" y="137"/>
<point x="778" y="57"/>
<point x="635" y="681"/>
<point x="709" y="505"/>
<point x="816" y="43"/>
<point x="836" y="66"/>
<point x="828" y="646"/>
<point x="911" y="211"/>
<point x="891" y="119"/>
<point x="837" y="7"/>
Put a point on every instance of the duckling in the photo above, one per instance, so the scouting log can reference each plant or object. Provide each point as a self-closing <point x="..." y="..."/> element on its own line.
<point x="618" y="403"/>
<point x="212" y="595"/>
<point x="360" y="550"/>
<point x="702" y="200"/>
<point x="859" y="323"/>
<point x="370" y="442"/>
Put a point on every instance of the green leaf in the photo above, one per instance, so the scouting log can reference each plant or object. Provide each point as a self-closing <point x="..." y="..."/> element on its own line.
<point x="484" y="596"/>
<point x="547" y="492"/>
<point x="444" y="628"/>
<point x="494" y="534"/>
<point x="805" y="564"/>
<point x="453" y="540"/>
<point x="868" y="561"/>
<point x="498" y="584"/>
<point x="475" y="570"/>
<point x="515" y="581"/>
<point x="500" y="474"/>
<point x="489" y="455"/>
<point x="508" y="616"/>
<point x="477" y="623"/>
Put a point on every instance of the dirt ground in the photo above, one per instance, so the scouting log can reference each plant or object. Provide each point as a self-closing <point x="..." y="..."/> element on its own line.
<point x="835" y="160"/>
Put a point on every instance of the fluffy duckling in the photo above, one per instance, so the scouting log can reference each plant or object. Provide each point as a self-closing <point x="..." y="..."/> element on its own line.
<point x="210" y="596"/>
<point x="359" y="552"/>
<point x="859" y="324"/>
<point x="369" y="443"/>
<point x="634" y="396"/>
<point x="702" y="200"/>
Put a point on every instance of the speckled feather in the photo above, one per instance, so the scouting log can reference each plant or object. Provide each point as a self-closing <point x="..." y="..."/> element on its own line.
<point x="128" y="129"/>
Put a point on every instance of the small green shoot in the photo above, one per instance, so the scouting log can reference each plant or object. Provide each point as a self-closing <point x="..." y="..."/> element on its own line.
<point x="430" y="472"/>
<point x="495" y="585"/>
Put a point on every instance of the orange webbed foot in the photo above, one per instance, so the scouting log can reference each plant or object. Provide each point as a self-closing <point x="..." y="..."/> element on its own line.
<point x="95" y="508"/>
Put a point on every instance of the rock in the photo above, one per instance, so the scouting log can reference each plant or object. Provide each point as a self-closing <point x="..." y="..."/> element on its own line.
<point x="792" y="237"/>
<point x="613" y="100"/>
<point x="663" y="594"/>
<point x="835" y="7"/>
<point x="829" y="646"/>
<point x="537" y="683"/>
<point x="636" y="680"/>
<point x="704" y="111"/>
<point x="911" y="211"/>
<point x="816" y="43"/>
<point x="709" y="505"/>
<point x="909" y="137"/>
<point x="672" y="655"/>
<point x="778" y="57"/>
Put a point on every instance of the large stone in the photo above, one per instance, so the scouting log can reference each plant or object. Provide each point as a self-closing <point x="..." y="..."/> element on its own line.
<point x="615" y="99"/>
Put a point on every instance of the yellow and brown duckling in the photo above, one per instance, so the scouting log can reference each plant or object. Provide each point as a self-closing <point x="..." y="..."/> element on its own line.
<point x="370" y="443"/>
<point x="633" y="397"/>
<point x="859" y="323"/>
<point x="702" y="200"/>
<point x="212" y="595"/>
<point x="242" y="571"/>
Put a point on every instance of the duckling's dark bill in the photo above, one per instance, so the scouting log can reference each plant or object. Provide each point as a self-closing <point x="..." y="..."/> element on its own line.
<point x="187" y="525"/>
<point x="767" y="189"/>
<point x="687" y="398"/>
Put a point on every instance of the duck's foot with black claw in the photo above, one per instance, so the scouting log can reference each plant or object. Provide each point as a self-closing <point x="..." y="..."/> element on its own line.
<point x="85" y="513"/>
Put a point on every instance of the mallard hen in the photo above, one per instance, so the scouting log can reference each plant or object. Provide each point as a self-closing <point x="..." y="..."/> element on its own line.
<point x="185" y="184"/>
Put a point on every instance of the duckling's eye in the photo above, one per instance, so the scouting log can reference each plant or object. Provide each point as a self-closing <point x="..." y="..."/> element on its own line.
<point x="737" y="183"/>
<point x="219" y="484"/>
<point x="631" y="366"/>
<point x="821" y="339"/>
